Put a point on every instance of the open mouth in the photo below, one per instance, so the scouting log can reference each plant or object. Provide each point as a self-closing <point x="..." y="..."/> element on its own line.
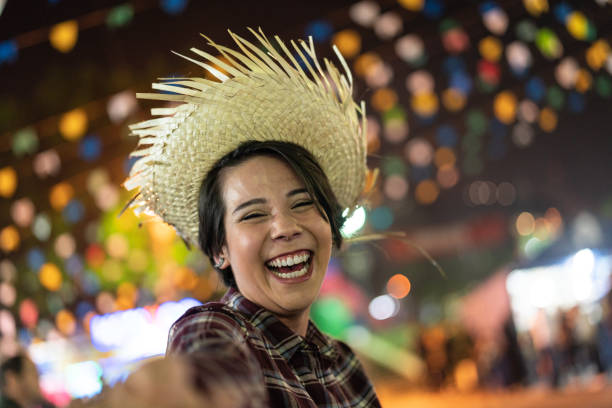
<point x="291" y="266"/>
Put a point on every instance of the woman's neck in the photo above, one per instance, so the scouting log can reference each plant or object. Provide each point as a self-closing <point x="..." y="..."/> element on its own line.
<point x="298" y="323"/>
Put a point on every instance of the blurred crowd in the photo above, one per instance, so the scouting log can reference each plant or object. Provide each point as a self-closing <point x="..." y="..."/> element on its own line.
<point x="566" y="349"/>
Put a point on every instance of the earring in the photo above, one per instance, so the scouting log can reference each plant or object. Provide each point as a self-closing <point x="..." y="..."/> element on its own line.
<point x="220" y="263"/>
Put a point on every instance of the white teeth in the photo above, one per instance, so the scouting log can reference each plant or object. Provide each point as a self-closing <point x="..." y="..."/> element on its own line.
<point x="290" y="260"/>
<point x="291" y="275"/>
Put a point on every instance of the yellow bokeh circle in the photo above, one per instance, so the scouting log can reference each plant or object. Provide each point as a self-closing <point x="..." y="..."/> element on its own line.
<point x="8" y="182"/>
<point x="63" y="36"/>
<point x="50" y="277"/>
<point x="9" y="238"/>
<point x="348" y="42"/>
<point x="504" y="107"/>
<point x="60" y="195"/>
<point x="490" y="48"/>
<point x="73" y="124"/>
<point x="425" y="103"/>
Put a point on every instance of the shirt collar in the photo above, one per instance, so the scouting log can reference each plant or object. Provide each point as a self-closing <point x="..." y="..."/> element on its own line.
<point x="285" y="340"/>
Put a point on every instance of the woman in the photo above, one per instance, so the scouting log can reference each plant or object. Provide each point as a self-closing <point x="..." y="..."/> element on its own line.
<point x="257" y="169"/>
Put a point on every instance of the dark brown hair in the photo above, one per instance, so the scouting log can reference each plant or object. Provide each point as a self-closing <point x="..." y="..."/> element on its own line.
<point x="211" y="208"/>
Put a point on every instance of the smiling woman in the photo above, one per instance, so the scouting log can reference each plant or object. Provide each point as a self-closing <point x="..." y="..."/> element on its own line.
<point x="257" y="170"/>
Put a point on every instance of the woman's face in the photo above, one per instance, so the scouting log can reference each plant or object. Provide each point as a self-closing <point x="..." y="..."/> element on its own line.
<point x="277" y="243"/>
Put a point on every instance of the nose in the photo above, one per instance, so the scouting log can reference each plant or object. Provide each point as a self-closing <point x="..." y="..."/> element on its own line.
<point x="285" y="227"/>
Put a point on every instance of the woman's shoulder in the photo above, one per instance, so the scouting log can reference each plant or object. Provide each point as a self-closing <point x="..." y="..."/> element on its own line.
<point x="210" y="318"/>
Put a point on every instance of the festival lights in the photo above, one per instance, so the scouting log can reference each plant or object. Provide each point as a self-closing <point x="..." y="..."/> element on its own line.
<point x="73" y="124"/>
<point x="50" y="277"/>
<point x="9" y="239"/>
<point x="426" y="192"/>
<point x="364" y="12"/>
<point x="348" y="42"/>
<point x="388" y="25"/>
<point x="63" y="36"/>
<point x="398" y="286"/>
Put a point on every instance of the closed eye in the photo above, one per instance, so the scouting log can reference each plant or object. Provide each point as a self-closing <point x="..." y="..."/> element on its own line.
<point x="303" y="203"/>
<point x="251" y="216"/>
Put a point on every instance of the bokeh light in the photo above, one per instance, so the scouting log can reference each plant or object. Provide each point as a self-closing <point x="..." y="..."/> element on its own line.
<point x="383" y="307"/>
<point x="447" y="176"/>
<point x="522" y="134"/>
<point x="388" y="25"/>
<point x="454" y="38"/>
<point x="494" y="18"/>
<point x="444" y="156"/>
<point x="528" y="111"/>
<point x="504" y="107"/>
<point x="411" y="49"/>
<point x="28" y="313"/>
<point x="25" y="141"/>
<point x="419" y="152"/>
<point x="73" y="124"/>
<point x="490" y="48"/>
<point x="63" y="36"/>
<point x="41" y="227"/>
<point x="453" y="99"/>
<point x="526" y="30"/>
<point x="348" y="42"/>
<point x="50" y="277"/>
<point x="420" y="81"/>
<point x="46" y="164"/>
<point x="8" y="294"/>
<point x="65" y="322"/>
<point x="381" y="218"/>
<point x="525" y="224"/>
<point x="60" y="195"/>
<point x="548" y="43"/>
<point x="566" y="72"/>
<point x="536" y="7"/>
<point x="384" y="99"/>
<point x="22" y="212"/>
<point x="584" y="80"/>
<point x="9" y="239"/>
<point x="117" y="246"/>
<point x="598" y="54"/>
<point x="65" y="245"/>
<point x="398" y="286"/>
<point x="395" y="187"/>
<point x="548" y="120"/>
<point x="412" y="5"/>
<point x="577" y="25"/>
<point x="364" y="12"/>
<point x="379" y="75"/>
<point x="426" y="192"/>
<point x="107" y="197"/>
<point x="8" y="181"/>
<point x="519" y="57"/>
<point x="425" y="104"/>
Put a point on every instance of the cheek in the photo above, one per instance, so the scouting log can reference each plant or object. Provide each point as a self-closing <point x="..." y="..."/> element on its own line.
<point x="244" y="246"/>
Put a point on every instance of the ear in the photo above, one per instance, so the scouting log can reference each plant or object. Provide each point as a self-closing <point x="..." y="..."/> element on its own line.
<point x="224" y="254"/>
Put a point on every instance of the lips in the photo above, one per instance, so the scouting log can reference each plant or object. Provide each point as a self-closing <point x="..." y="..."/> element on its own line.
<point x="293" y="266"/>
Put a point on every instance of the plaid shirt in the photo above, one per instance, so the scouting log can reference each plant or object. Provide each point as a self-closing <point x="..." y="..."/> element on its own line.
<point x="241" y="348"/>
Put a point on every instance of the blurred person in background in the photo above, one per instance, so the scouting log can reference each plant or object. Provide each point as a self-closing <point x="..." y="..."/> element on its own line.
<point x="604" y="333"/>
<point x="256" y="170"/>
<point x="19" y="384"/>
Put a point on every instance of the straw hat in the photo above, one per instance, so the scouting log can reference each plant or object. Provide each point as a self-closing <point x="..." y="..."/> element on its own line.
<point x="271" y="92"/>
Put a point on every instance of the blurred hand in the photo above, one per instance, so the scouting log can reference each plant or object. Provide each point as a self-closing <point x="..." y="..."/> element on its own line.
<point x="164" y="383"/>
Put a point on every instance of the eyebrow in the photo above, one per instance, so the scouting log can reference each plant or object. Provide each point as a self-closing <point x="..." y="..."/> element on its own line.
<point x="263" y="200"/>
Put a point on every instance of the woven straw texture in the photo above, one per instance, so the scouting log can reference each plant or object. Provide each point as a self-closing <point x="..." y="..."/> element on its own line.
<point x="266" y="95"/>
